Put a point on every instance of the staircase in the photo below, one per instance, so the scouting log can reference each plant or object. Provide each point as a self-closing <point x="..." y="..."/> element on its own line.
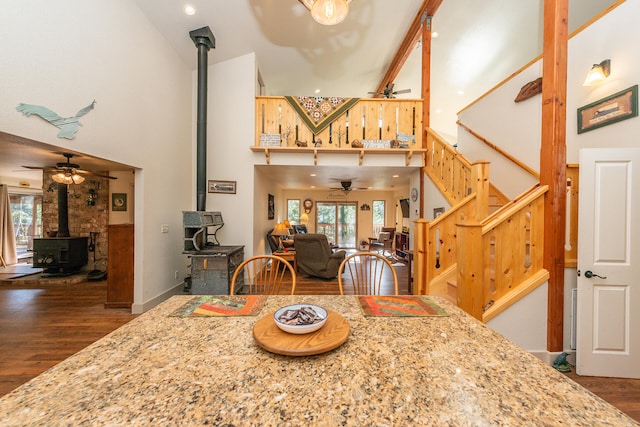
<point x="485" y="253"/>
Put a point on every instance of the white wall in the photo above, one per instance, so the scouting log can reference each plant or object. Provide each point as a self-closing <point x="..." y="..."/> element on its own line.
<point x="516" y="127"/>
<point x="63" y="55"/>
<point x="230" y="132"/>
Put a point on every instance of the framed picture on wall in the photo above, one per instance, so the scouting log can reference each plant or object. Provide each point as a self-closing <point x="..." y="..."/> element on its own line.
<point x="119" y="202"/>
<point x="614" y="108"/>
<point x="271" y="207"/>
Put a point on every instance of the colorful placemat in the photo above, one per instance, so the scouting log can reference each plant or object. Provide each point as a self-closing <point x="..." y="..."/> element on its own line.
<point x="221" y="305"/>
<point x="399" y="306"/>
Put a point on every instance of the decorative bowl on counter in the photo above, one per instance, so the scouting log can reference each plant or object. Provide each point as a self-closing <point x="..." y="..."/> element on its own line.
<point x="300" y="318"/>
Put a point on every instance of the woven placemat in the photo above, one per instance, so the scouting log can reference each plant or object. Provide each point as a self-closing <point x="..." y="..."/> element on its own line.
<point x="221" y="305"/>
<point x="399" y="306"/>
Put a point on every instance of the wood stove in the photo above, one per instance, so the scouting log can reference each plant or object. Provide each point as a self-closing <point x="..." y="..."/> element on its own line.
<point x="60" y="256"/>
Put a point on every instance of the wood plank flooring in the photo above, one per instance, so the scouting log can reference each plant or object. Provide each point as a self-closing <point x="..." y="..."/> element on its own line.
<point x="41" y="325"/>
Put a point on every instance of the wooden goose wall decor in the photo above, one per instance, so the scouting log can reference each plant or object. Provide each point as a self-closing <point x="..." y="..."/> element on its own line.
<point x="68" y="125"/>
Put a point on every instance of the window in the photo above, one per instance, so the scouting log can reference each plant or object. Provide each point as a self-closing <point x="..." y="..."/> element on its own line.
<point x="378" y="216"/>
<point x="26" y="210"/>
<point x="293" y="211"/>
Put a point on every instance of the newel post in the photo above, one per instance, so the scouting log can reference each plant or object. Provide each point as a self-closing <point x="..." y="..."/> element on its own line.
<point x="470" y="268"/>
<point x="480" y="179"/>
<point x="420" y="254"/>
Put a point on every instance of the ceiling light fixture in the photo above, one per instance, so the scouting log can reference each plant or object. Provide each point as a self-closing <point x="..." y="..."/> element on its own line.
<point x="598" y="73"/>
<point x="189" y="10"/>
<point x="67" y="178"/>
<point x="327" y="12"/>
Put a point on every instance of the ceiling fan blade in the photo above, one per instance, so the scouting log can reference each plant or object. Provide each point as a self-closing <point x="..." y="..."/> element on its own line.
<point x="47" y="168"/>
<point x="90" y="173"/>
<point x="402" y="91"/>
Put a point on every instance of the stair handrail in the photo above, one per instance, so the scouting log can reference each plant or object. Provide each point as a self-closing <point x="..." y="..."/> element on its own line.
<point x="499" y="150"/>
<point x="499" y="254"/>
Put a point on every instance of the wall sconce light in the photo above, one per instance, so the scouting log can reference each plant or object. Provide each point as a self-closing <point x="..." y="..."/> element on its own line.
<point x="365" y="207"/>
<point x="598" y="73"/>
<point x="327" y="12"/>
<point x="92" y="195"/>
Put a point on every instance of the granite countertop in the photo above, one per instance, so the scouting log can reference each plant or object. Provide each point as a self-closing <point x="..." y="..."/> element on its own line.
<point x="162" y="370"/>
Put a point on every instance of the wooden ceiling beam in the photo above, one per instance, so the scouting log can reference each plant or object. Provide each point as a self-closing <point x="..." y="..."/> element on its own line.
<point x="409" y="42"/>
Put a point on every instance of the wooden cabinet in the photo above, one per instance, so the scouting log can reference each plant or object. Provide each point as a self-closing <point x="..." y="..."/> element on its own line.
<point x="402" y="245"/>
<point x="120" y="266"/>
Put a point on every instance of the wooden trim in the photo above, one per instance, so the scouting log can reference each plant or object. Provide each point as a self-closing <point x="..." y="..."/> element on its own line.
<point x="516" y="295"/>
<point x="499" y="150"/>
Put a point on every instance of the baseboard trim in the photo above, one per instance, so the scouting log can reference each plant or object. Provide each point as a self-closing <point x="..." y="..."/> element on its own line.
<point x="548" y="357"/>
<point x="148" y="305"/>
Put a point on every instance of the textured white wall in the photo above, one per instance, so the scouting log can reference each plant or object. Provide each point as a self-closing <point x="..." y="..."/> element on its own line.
<point x="65" y="54"/>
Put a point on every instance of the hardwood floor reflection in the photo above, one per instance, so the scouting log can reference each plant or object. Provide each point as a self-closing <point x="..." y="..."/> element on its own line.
<point x="41" y="326"/>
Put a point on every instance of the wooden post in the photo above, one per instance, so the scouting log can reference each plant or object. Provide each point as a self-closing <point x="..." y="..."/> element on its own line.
<point x="420" y="284"/>
<point x="480" y="178"/>
<point x="553" y="161"/>
<point x="471" y="269"/>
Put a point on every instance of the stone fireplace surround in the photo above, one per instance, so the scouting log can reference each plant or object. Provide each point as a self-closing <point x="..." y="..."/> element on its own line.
<point x="83" y="219"/>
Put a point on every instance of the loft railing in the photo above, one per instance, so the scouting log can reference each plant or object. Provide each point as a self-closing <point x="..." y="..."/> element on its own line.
<point x="371" y="119"/>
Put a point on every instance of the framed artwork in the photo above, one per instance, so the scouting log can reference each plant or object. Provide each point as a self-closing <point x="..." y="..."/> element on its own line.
<point x="228" y="187"/>
<point x="271" y="207"/>
<point x="614" y="108"/>
<point x="119" y="202"/>
<point x="437" y="212"/>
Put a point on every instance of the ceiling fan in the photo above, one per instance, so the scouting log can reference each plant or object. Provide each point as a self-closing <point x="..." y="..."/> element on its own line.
<point x="388" y="91"/>
<point x="67" y="172"/>
<point x="346" y="185"/>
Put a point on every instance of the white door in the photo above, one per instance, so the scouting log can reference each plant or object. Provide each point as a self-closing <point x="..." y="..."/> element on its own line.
<point x="608" y="320"/>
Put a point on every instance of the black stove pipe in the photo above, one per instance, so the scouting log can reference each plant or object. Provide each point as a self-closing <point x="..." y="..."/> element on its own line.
<point x="63" y="210"/>
<point x="204" y="40"/>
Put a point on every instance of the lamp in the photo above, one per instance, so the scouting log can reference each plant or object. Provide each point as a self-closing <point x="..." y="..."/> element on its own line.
<point x="598" y="73"/>
<point x="304" y="218"/>
<point x="67" y="178"/>
<point x="280" y="230"/>
<point x="327" y="12"/>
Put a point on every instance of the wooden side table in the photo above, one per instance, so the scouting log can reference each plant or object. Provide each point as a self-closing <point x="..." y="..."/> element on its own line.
<point x="288" y="256"/>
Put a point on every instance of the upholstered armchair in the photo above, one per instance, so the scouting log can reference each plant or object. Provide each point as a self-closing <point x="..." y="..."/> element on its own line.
<point x="314" y="256"/>
<point x="384" y="242"/>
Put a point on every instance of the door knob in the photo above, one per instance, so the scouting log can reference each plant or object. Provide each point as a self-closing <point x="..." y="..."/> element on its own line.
<point x="589" y="274"/>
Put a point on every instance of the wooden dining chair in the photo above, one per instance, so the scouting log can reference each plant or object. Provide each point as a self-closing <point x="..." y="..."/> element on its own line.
<point x="367" y="273"/>
<point x="263" y="275"/>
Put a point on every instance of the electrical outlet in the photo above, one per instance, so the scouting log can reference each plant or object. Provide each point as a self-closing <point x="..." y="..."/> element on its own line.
<point x="164" y="228"/>
<point x="175" y="275"/>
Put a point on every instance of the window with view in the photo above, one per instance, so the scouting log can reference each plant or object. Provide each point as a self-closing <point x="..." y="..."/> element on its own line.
<point x="293" y="211"/>
<point x="378" y="216"/>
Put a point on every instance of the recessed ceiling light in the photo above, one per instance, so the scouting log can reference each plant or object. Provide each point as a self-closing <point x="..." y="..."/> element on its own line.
<point x="189" y="10"/>
<point x="317" y="90"/>
<point x="438" y="110"/>
<point x="434" y="34"/>
<point x="395" y="176"/>
<point x="313" y="174"/>
<point x="313" y="186"/>
<point x="460" y="92"/>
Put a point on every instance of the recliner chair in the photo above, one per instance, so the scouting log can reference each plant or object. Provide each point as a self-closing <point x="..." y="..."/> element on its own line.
<point x="314" y="256"/>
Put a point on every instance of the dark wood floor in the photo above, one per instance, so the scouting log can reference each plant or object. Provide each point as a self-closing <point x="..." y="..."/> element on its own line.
<point x="42" y="325"/>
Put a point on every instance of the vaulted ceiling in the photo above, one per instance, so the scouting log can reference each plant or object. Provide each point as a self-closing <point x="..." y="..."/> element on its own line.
<point x="478" y="45"/>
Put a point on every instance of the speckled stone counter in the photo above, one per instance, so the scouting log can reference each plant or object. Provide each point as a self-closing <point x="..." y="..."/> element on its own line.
<point x="162" y="370"/>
